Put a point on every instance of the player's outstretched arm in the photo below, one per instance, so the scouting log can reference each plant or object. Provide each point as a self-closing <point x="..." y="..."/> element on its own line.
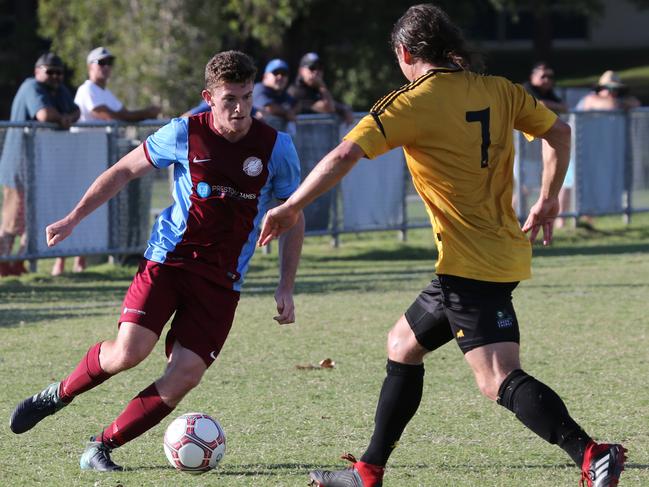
<point x="556" y="157"/>
<point x="324" y="176"/>
<point x="131" y="166"/>
<point x="290" y="249"/>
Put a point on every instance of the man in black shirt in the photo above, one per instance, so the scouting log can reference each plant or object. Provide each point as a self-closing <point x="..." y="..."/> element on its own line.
<point x="541" y="87"/>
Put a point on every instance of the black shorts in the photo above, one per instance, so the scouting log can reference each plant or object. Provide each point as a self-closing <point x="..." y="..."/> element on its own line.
<point x="475" y="313"/>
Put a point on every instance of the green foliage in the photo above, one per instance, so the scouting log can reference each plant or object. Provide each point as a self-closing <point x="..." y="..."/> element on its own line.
<point x="583" y="6"/>
<point x="161" y="46"/>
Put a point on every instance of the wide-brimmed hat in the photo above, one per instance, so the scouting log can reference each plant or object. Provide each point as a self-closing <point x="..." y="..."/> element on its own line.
<point x="610" y="80"/>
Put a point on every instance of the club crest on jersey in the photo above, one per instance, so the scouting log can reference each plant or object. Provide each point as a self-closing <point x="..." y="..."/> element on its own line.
<point x="203" y="189"/>
<point x="504" y="320"/>
<point x="252" y="166"/>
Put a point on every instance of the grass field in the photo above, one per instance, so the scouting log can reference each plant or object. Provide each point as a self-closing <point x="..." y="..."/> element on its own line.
<point x="585" y="333"/>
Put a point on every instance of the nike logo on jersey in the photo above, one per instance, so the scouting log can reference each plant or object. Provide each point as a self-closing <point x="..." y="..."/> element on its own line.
<point x="200" y="160"/>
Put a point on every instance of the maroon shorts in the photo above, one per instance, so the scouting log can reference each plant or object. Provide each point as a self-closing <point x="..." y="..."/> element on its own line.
<point x="204" y="310"/>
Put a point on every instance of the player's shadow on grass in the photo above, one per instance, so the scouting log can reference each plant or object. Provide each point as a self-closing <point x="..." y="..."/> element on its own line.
<point x="314" y="283"/>
<point x="407" y="252"/>
<point x="298" y="469"/>
<point x="247" y="470"/>
<point x="557" y="251"/>
<point x="19" y="317"/>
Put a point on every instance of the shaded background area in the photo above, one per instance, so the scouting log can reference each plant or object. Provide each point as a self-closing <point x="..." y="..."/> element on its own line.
<point x="161" y="57"/>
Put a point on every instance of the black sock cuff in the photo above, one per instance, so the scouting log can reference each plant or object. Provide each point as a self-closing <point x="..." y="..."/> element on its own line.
<point x="406" y="370"/>
<point x="512" y="382"/>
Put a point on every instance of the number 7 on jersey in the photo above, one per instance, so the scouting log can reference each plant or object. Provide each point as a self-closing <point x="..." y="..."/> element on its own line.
<point x="482" y="116"/>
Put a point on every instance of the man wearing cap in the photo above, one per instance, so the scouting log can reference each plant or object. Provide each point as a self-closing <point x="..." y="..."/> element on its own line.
<point x="96" y="101"/>
<point x="42" y="98"/>
<point x="270" y="96"/>
<point x="609" y="94"/>
<point x="311" y="92"/>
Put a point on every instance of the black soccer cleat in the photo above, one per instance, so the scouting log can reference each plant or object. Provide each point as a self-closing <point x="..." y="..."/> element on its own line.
<point x="33" y="409"/>
<point x="603" y="464"/>
<point x="96" y="456"/>
<point x="359" y="474"/>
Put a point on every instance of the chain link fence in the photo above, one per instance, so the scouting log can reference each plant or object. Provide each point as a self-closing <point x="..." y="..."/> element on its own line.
<point x="610" y="164"/>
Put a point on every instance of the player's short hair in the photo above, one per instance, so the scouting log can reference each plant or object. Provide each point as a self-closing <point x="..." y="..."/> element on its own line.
<point x="428" y="33"/>
<point x="229" y="67"/>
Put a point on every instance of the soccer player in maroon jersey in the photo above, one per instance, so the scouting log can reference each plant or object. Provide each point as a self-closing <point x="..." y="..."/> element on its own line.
<point x="227" y="169"/>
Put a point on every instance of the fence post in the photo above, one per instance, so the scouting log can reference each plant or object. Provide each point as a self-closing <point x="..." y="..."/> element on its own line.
<point x="519" y="175"/>
<point x="113" y="209"/>
<point x="335" y="220"/>
<point x="403" y="233"/>
<point x="628" y="169"/>
<point x="30" y="206"/>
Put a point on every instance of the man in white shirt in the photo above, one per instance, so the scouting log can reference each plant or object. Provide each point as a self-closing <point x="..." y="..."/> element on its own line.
<point x="97" y="103"/>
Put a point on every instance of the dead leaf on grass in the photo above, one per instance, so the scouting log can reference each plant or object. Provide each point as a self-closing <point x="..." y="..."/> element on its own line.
<point x="323" y="364"/>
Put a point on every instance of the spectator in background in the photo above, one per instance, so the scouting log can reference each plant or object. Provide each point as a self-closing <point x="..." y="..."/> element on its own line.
<point x="270" y="97"/>
<point x="541" y="86"/>
<point x="98" y="103"/>
<point x="42" y="98"/>
<point x="311" y="92"/>
<point x="609" y="94"/>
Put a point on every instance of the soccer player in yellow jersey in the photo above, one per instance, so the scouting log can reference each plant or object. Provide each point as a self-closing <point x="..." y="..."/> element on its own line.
<point x="455" y="128"/>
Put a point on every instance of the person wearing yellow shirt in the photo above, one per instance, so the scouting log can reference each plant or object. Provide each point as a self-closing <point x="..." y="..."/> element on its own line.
<point x="456" y="130"/>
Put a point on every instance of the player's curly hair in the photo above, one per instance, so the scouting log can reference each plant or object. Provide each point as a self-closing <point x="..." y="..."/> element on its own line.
<point x="428" y="33"/>
<point x="229" y="67"/>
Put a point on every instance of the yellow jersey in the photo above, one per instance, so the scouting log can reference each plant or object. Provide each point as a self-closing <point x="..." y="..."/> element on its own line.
<point x="456" y="129"/>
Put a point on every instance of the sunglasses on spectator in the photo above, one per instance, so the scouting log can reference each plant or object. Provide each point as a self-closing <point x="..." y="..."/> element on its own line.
<point x="104" y="62"/>
<point x="280" y="72"/>
<point x="315" y="67"/>
<point x="52" y="71"/>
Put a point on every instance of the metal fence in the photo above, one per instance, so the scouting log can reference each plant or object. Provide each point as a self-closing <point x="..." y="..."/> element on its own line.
<point x="610" y="161"/>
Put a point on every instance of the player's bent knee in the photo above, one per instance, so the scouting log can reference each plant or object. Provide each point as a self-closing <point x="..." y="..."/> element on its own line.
<point x="180" y="382"/>
<point x="127" y="359"/>
<point x="403" y="346"/>
<point x="488" y="386"/>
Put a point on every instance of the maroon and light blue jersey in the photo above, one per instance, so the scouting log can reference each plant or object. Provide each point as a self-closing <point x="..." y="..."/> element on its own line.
<point x="221" y="193"/>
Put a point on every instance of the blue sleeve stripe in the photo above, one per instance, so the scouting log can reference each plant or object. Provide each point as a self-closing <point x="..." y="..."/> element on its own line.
<point x="169" y="228"/>
<point x="284" y="167"/>
<point x="249" y="247"/>
<point x="169" y="144"/>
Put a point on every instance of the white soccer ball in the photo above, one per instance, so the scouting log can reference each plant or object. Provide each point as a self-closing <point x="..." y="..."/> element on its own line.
<point x="194" y="443"/>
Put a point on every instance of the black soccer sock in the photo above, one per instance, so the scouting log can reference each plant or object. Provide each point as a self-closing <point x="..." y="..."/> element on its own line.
<point x="399" y="399"/>
<point x="540" y="409"/>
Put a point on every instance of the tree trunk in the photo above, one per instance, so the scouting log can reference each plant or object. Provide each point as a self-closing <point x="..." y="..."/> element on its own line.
<point x="542" y="31"/>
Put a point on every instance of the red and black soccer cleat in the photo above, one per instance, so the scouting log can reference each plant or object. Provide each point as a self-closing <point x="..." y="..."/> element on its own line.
<point x="359" y="474"/>
<point x="603" y="464"/>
